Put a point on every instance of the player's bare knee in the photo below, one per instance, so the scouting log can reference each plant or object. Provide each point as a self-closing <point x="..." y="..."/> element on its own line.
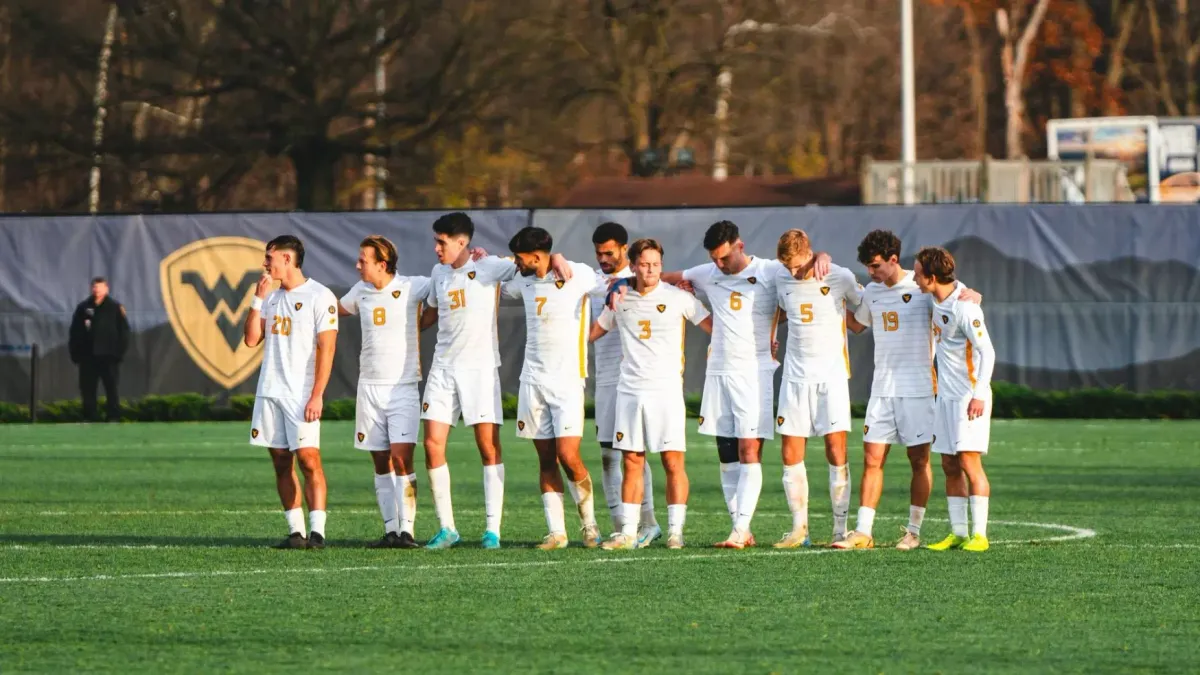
<point x="874" y="459"/>
<point x="951" y="466"/>
<point x="383" y="462"/>
<point x="749" y="450"/>
<point x="918" y="457"/>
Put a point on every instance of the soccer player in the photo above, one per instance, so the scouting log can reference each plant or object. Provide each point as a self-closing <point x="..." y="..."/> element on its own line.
<point x="815" y="396"/>
<point x="901" y="406"/>
<point x="650" y="414"/>
<point x="612" y="247"/>
<point x="388" y="407"/>
<point x="550" y="403"/>
<point x="963" y="413"/>
<point x="465" y="294"/>
<point x="297" y="325"/>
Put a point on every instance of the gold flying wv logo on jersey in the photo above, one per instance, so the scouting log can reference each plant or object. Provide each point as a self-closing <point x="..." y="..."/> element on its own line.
<point x="866" y="428"/>
<point x="559" y="283"/>
<point x="778" y="421"/>
<point x="906" y="297"/>
<point x="752" y="280"/>
<point x="620" y="436"/>
<point x="471" y="274"/>
<point x="361" y="437"/>
<point x="299" y="305"/>
<point x="661" y="308"/>
<point x="521" y="425"/>
<point x="254" y="433"/>
<point x="945" y="319"/>
<point x="424" y="407"/>
<point x="395" y="294"/>
<point x="701" y="420"/>
<point x="824" y="290"/>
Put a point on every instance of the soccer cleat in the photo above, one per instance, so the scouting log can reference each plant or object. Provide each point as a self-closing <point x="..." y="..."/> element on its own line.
<point x="445" y="538"/>
<point x="854" y="540"/>
<point x="794" y="539"/>
<point x="908" y="542"/>
<point x="389" y="540"/>
<point x="619" y="542"/>
<point x="976" y="544"/>
<point x="591" y="536"/>
<point x="316" y="540"/>
<point x="553" y="541"/>
<point x="294" y="540"/>
<point x="675" y="540"/>
<point x="490" y="541"/>
<point x="648" y="534"/>
<point x="406" y="541"/>
<point x="838" y="537"/>
<point x="951" y="541"/>
<point x="750" y="542"/>
<point x="736" y="540"/>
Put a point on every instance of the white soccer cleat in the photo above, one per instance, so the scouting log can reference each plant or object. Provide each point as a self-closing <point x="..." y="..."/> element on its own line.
<point x="737" y="540"/>
<point x="675" y="540"/>
<point x="648" y="534"/>
<point x="838" y="537"/>
<point x="591" y="535"/>
<point x="908" y="542"/>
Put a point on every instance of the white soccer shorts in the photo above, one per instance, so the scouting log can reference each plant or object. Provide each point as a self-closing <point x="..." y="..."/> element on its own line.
<point x="739" y="405"/>
<point x="473" y="394"/>
<point x="279" y="423"/>
<point x="907" y="421"/>
<point x="653" y="421"/>
<point x="606" y="411"/>
<point x="954" y="433"/>
<point x="550" y="412"/>
<point x="818" y="409"/>
<point x="386" y="414"/>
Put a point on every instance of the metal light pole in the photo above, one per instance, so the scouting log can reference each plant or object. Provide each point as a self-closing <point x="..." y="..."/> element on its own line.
<point x="101" y="98"/>
<point x="908" y="114"/>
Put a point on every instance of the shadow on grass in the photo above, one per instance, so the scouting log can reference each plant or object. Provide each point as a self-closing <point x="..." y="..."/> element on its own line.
<point x="51" y="541"/>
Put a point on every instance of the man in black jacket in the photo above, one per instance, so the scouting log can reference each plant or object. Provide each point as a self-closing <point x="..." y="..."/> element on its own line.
<point x="98" y="340"/>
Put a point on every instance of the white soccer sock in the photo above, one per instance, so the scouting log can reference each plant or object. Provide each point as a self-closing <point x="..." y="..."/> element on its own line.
<point x="316" y="522"/>
<point x="406" y="493"/>
<point x="916" y="516"/>
<point x="676" y="515"/>
<point x="839" y="494"/>
<point x="552" y="505"/>
<point x="795" y="487"/>
<point x="629" y="519"/>
<point x="439" y="485"/>
<point x="610" y="476"/>
<point x="389" y="507"/>
<point x="648" y="496"/>
<point x="493" y="496"/>
<point x="748" y="490"/>
<point x="866" y="520"/>
<point x="979" y="514"/>
<point x="958" y="515"/>
<point x="295" y="521"/>
<point x="731" y="473"/>
<point x="581" y="492"/>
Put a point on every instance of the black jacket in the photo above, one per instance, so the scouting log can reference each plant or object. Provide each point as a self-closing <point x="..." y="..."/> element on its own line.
<point x="99" y="330"/>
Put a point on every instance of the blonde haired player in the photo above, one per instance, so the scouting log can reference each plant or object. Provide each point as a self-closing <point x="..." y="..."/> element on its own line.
<point x="650" y="414"/>
<point x="388" y="406"/>
<point x="814" y="399"/>
<point x="963" y="414"/>
<point x="297" y="325"/>
<point x="900" y="409"/>
<point x="550" y="404"/>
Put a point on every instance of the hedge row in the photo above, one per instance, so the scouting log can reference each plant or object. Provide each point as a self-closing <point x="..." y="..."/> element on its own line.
<point x="1010" y="401"/>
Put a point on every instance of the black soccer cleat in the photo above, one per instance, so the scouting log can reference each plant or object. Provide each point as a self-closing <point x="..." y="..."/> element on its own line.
<point x="294" y="540"/>
<point x="405" y="540"/>
<point x="389" y="540"/>
<point x="316" y="540"/>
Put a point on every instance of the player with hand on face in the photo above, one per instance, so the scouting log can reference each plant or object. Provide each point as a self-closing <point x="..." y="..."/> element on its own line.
<point x="297" y="325"/>
<point x="388" y="406"/>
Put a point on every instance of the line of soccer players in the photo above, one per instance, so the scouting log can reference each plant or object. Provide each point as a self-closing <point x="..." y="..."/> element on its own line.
<point x="918" y="316"/>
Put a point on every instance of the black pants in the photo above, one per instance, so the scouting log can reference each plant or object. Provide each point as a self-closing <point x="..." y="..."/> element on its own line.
<point x="94" y="370"/>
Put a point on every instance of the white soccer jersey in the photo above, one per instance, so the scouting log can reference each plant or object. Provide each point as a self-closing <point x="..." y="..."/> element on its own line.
<point x="743" y="310"/>
<point x="557" y="318"/>
<point x="467" y="300"/>
<point x="965" y="356"/>
<point x="816" y="316"/>
<point x="652" y="333"/>
<point x="899" y="316"/>
<point x="607" y="350"/>
<point x="391" y="329"/>
<point x="293" y="320"/>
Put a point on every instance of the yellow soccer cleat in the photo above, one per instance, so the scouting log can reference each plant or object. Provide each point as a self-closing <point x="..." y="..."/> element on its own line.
<point x="619" y="542"/>
<point x="976" y="544"/>
<point x="951" y="541"/>
<point x="908" y="542"/>
<point x="853" y="540"/>
<point x="591" y="536"/>
<point x="553" y="541"/>
<point x="794" y="539"/>
<point x="675" y="541"/>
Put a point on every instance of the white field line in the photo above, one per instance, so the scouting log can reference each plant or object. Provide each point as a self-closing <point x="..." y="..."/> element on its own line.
<point x="1070" y="533"/>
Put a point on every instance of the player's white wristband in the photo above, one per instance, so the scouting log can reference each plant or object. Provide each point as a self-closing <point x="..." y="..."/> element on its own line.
<point x="256" y="304"/>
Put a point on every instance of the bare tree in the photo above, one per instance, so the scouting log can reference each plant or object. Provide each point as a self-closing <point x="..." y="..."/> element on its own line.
<point x="1017" y="27"/>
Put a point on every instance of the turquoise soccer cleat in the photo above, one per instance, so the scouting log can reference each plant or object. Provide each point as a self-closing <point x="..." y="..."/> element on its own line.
<point x="490" y="541"/>
<point x="445" y="538"/>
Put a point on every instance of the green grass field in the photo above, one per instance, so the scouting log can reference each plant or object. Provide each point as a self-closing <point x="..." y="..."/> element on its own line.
<point x="143" y="548"/>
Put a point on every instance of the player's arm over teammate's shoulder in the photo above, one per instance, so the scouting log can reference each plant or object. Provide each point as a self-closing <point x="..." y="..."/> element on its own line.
<point x="695" y="312"/>
<point x="348" y="305"/>
<point x="970" y="321"/>
<point x="603" y="324"/>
